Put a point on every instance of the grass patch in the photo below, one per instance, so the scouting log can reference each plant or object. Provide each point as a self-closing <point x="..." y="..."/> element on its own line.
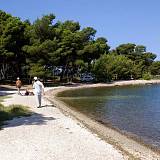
<point x="3" y="97"/>
<point x="12" y="111"/>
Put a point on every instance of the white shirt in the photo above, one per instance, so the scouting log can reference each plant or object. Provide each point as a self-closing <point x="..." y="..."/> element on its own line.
<point x="38" y="87"/>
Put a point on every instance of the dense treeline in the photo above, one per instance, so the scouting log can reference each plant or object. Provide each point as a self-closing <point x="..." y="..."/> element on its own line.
<point x="28" y="50"/>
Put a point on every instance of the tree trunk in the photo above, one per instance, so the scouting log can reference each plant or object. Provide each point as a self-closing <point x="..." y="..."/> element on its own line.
<point x="3" y="71"/>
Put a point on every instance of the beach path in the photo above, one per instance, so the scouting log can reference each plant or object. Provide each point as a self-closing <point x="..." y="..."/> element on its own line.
<point x="48" y="134"/>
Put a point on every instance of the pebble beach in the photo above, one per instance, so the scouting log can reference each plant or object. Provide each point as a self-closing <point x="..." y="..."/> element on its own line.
<point x="53" y="132"/>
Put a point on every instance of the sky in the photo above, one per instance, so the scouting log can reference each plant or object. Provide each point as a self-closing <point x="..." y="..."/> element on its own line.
<point x="119" y="21"/>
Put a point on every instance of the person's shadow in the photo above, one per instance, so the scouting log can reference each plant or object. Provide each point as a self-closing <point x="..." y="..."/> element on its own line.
<point x="47" y="105"/>
<point x="34" y="119"/>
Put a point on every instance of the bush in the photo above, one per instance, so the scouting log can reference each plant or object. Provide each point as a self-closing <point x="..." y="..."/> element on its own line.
<point x="146" y="76"/>
<point x="109" y="65"/>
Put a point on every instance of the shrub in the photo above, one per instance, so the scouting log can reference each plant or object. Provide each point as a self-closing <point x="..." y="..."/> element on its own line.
<point x="146" y="76"/>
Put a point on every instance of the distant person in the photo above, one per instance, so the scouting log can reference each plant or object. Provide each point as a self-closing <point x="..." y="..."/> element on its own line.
<point x="38" y="91"/>
<point x="28" y="92"/>
<point x="18" y="85"/>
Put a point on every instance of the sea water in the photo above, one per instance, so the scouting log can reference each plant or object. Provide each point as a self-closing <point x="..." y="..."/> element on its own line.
<point x="132" y="109"/>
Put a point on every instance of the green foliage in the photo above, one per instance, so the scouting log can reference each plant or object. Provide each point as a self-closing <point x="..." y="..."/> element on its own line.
<point x="70" y="26"/>
<point x="3" y="97"/>
<point x="12" y="39"/>
<point x="140" y="49"/>
<point x="125" y="49"/>
<point x="146" y="76"/>
<point x="142" y="60"/>
<point x="10" y="112"/>
<point x="35" y="49"/>
<point x="42" y="28"/>
<point x="101" y="71"/>
<point x="112" y="66"/>
<point x="137" y="70"/>
<point x="38" y="70"/>
<point x="155" y="68"/>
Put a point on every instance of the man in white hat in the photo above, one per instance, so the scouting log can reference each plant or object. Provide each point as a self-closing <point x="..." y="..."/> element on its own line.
<point x="38" y="91"/>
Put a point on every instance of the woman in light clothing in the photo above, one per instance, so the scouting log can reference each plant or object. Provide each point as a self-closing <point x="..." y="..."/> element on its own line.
<point x="38" y="91"/>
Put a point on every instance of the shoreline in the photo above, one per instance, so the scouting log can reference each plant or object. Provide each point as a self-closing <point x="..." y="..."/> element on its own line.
<point x="127" y="144"/>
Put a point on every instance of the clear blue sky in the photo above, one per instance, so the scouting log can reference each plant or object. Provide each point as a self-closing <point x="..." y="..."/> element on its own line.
<point x="120" y="21"/>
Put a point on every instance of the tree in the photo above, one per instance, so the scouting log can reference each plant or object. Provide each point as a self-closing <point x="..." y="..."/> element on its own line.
<point x="43" y="28"/>
<point x="12" y="40"/>
<point x="39" y="71"/>
<point x="111" y="65"/>
<point x="137" y="53"/>
<point x="125" y="49"/>
<point x="155" y="68"/>
<point x="35" y="49"/>
<point x="43" y="45"/>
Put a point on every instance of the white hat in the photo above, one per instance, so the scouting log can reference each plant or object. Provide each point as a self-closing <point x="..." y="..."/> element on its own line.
<point x="17" y="77"/>
<point x="35" y="78"/>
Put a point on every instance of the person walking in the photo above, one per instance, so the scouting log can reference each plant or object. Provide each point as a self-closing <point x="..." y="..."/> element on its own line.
<point x="18" y="85"/>
<point x="38" y="91"/>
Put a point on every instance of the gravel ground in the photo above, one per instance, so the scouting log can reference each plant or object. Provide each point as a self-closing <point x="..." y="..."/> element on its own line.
<point x="50" y="135"/>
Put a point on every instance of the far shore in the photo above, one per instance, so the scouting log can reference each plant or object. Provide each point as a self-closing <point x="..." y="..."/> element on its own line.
<point x="128" y="145"/>
<point x="110" y="84"/>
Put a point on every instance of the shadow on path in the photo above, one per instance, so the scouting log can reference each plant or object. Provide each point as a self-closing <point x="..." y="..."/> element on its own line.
<point x="34" y="119"/>
<point x="4" y="91"/>
<point x="47" y="105"/>
<point x="7" y="88"/>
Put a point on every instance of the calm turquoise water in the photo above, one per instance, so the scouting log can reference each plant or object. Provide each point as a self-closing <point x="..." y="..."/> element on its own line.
<point x="132" y="109"/>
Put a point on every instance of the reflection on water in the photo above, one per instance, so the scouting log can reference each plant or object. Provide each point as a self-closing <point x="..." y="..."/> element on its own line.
<point x="134" y="109"/>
